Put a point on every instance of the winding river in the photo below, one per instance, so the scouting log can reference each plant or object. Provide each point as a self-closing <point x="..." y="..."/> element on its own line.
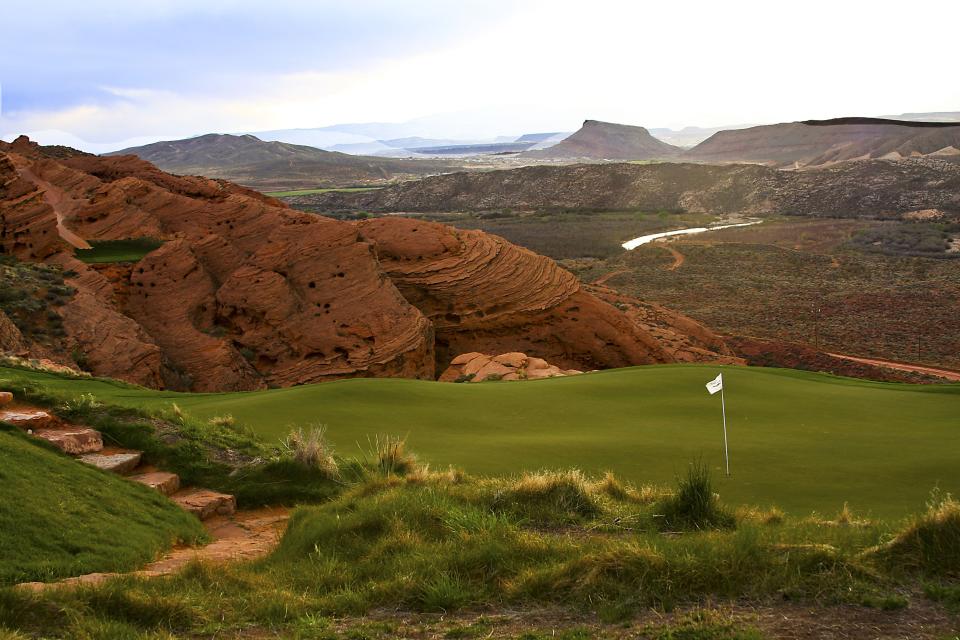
<point x="630" y="245"/>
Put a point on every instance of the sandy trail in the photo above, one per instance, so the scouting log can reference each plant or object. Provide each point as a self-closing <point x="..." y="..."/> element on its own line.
<point x="953" y="376"/>
<point x="602" y="280"/>
<point x="246" y="535"/>
<point x="54" y="197"/>
<point x="678" y="258"/>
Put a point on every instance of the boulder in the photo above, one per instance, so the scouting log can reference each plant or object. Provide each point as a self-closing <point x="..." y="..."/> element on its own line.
<point x="72" y="440"/>
<point x="494" y="369"/>
<point x="205" y="503"/>
<point x="162" y="481"/>
<point x="120" y="462"/>
<point x="30" y="419"/>
<point x="464" y="358"/>
<point x="514" y="359"/>
<point x="5" y="398"/>
<point x="507" y="366"/>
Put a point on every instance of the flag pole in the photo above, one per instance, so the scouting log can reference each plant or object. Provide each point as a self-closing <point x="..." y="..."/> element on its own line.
<point x="726" y="450"/>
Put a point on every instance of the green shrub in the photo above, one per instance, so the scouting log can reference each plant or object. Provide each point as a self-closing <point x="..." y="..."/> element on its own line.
<point x="694" y="505"/>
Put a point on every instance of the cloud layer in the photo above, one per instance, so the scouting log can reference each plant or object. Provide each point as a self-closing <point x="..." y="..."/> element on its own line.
<point x="107" y="72"/>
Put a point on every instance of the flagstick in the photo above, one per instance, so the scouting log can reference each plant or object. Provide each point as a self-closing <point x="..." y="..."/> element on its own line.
<point x="726" y="450"/>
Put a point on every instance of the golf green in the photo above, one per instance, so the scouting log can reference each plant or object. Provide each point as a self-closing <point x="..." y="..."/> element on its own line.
<point x="803" y="441"/>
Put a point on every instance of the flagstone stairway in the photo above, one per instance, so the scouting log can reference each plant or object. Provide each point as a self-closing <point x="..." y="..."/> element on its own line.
<point x="86" y="445"/>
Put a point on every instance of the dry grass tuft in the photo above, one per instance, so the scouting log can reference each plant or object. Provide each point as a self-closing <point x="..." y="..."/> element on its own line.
<point x="930" y="545"/>
<point x="225" y="420"/>
<point x="769" y="516"/>
<point x="311" y="449"/>
<point x="390" y="455"/>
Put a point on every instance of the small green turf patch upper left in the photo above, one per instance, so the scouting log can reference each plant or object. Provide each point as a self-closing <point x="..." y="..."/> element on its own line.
<point x="105" y="251"/>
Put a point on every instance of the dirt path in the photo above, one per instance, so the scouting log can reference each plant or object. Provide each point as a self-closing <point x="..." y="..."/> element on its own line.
<point x="602" y="280"/>
<point x="678" y="258"/>
<point x="246" y="535"/>
<point x="54" y="198"/>
<point x="953" y="376"/>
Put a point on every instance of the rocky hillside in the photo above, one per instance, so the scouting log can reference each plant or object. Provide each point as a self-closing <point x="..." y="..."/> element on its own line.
<point x="871" y="188"/>
<point x="608" y="141"/>
<point x="249" y="161"/>
<point x="820" y="142"/>
<point x="245" y="293"/>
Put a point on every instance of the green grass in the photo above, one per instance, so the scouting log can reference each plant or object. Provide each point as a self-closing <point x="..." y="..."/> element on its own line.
<point x="59" y="517"/>
<point x="442" y="543"/>
<point x="307" y="192"/>
<point x="106" y="251"/>
<point x="799" y="440"/>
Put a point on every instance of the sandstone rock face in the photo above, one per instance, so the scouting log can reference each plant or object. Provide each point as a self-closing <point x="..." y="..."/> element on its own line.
<point x="478" y="367"/>
<point x="486" y="295"/>
<point x="245" y="293"/>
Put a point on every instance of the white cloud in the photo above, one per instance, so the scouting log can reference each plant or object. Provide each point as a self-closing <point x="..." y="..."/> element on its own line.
<point x="552" y="64"/>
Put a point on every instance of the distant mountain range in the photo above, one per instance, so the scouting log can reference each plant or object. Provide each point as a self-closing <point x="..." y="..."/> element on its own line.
<point x="396" y="140"/>
<point x="266" y="165"/>
<point x="274" y="165"/>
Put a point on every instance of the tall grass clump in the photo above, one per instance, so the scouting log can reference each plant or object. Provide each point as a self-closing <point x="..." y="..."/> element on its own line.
<point x="695" y="505"/>
<point x="390" y="456"/>
<point x="548" y="497"/>
<point x="311" y="449"/>
<point x="930" y="545"/>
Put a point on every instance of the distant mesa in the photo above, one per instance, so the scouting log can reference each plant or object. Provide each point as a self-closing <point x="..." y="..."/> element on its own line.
<point x="597" y="140"/>
<point x="824" y="142"/>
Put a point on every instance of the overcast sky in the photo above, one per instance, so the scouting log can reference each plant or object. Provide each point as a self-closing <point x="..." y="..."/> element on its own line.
<point x="107" y="73"/>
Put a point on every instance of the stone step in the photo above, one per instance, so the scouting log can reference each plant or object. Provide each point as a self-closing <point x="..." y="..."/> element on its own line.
<point x="30" y="419"/>
<point x="121" y="461"/>
<point x="205" y="503"/>
<point x="72" y="440"/>
<point x="166" y="483"/>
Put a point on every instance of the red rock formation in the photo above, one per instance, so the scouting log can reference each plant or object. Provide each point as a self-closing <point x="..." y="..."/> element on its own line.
<point x="484" y="294"/>
<point x="478" y="367"/>
<point x="245" y="292"/>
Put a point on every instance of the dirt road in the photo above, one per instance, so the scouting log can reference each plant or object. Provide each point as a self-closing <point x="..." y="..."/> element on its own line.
<point x="953" y="376"/>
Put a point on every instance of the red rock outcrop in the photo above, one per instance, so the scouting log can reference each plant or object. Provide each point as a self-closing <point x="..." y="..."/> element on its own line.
<point x="245" y="293"/>
<point x="479" y="367"/>
<point x="486" y="295"/>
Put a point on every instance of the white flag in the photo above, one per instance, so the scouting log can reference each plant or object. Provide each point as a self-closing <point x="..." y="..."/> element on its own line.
<point x="716" y="384"/>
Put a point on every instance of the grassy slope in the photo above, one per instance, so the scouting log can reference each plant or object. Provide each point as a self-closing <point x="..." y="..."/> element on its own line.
<point x="799" y="440"/>
<point x="59" y="517"/>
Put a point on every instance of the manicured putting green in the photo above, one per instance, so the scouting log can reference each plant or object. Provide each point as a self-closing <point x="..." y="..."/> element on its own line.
<point x="804" y="441"/>
<point x="104" y="251"/>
